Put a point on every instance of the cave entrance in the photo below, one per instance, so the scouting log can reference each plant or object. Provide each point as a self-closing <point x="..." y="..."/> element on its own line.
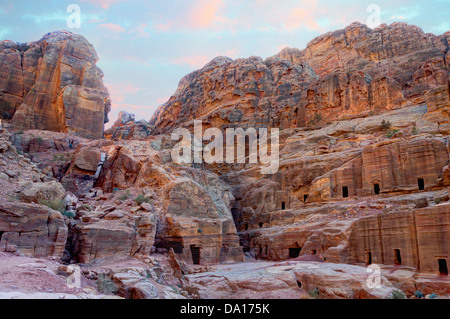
<point x="294" y="252"/>
<point x="176" y="243"/>
<point x="261" y="224"/>
<point x="369" y="258"/>
<point x="283" y="205"/>
<point x="376" y="189"/>
<point x="421" y="183"/>
<point x="344" y="191"/>
<point x="397" y="257"/>
<point x="195" y="251"/>
<point x="443" y="269"/>
<point x="305" y="197"/>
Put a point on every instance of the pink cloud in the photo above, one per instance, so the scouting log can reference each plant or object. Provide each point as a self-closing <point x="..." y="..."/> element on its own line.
<point x="112" y="27"/>
<point x="105" y="4"/>
<point x="141" y="31"/>
<point x="196" y="61"/>
<point x="206" y="14"/>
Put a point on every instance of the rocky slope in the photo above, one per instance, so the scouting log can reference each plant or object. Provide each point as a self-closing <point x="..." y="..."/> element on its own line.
<point x="53" y="84"/>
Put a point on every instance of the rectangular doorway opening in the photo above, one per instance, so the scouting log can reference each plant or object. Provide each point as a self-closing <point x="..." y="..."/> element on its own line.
<point x="397" y="257"/>
<point x="283" y="205"/>
<point x="421" y="183"/>
<point x="195" y="251"/>
<point x="294" y="252"/>
<point x="443" y="269"/>
<point x="376" y="189"/>
<point x="369" y="258"/>
<point x="344" y="191"/>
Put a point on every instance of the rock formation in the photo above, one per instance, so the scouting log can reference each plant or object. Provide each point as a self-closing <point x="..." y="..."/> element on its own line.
<point x="344" y="74"/>
<point x="53" y="84"/>
<point x="363" y="178"/>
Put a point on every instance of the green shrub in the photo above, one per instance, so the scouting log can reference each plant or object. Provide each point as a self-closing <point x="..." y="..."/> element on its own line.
<point x="414" y="131"/>
<point x="398" y="294"/>
<point x="58" y="205"/>
<point x="437" y="201"/>
<point x="126" y="195"/>
<point x="70" y="215"/>
<point x="418" y="294"/>
<point x="314" y="293"/>
<point x="106" y="285"/>
<point x="142" y="199"/>
<point x="433" y="296"/>
<point x="18" y="133"/>
<point x="316" y="119"/>
<point x="386" y="125"/>
<point x="391" y="133"/>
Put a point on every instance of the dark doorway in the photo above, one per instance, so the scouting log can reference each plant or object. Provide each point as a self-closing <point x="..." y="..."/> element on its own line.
<point x="421" y="183"/>
<point x="305" y="197"/>
<point x="443" y="269"/>
<point x="397" y="257"/>
<point x="294" y="252"/>
<point x="314" y="252"/>
<point x="246" y="226"/>
<point x="376" y="189"/>
<point x="195" y="251"/>
<point x="344" y="191"/>
<point x="176" y="243"/>
<point x="261" y="225"/>
<point x="283" y="205"/>
<point x="369" y="258"/>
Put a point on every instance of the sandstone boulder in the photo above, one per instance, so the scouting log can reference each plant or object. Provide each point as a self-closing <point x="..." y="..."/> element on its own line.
<point x="32" y="229"/>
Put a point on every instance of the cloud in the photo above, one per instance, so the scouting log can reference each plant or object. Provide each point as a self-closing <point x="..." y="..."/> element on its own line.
<point x="140" y="31"/>
<point x="207" y="14"/>
<point x="105" y="4"/>
<point x="196" y="62"/>
<point x="112" y="27"/>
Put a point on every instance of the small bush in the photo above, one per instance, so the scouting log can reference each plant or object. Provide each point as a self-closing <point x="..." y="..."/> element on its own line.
<point x="391" y="133"/>
<point x="316" y="119"/>
<point x="418" y="294"/>
<point x="314" y="293"/>
<point x="385" y="125"/>
<point x="125" y="196"/>
<point x="433" y="296"/>
<point x="437" y="201"/>
<point x="398" y="294"/>
<point x="415" y="131"/>
<point x="68" y="214"/>
<point x="18" y="133"/>
<point x="58" y="205"/>
<point x="142" y="199"/>
<point x="106" y="285"/>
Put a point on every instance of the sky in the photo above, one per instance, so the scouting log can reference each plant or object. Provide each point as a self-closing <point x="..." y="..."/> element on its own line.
<point x="146" y="46"/>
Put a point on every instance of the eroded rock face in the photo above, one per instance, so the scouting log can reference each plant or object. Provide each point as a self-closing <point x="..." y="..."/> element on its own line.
<point x="182" y="208"/>
<point x="32" y="229"/>
<point x="126" y="127"/>
<point x="53" y="84"/>
<point x="348" y="73"/>
<point x="416" y="164"/>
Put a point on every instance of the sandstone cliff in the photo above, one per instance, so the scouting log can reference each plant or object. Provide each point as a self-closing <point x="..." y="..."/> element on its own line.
<point x="344" y="74"/>
<point x="53" y="84"/>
